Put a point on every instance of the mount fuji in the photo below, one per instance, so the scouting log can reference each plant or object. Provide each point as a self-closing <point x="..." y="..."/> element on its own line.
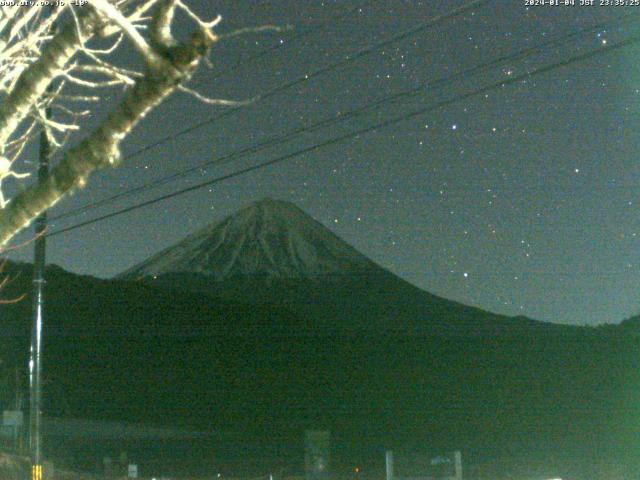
<point x="272" y="252"/>
<point x="270" y="239"/>
<point x="268" y="324"/>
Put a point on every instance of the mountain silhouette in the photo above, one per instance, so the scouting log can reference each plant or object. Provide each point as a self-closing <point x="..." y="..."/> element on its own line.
<point x="266" y="324"/>
<point x="272" y="252"/>
<point x="269" y="238"/>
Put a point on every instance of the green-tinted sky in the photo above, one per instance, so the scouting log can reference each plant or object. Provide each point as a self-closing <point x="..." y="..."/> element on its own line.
<point x="523" y="200"/>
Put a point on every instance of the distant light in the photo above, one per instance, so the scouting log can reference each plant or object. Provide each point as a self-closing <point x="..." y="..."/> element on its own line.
<point x="465" y="275"/>
<point x="357" y="469"/>
<point x="454" y="127"/>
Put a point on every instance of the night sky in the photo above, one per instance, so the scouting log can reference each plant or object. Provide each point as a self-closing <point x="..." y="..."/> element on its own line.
<point x="522" y="200"/>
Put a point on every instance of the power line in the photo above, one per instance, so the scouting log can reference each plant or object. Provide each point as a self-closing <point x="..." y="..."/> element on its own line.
<point x="297" y="36"/>
<point x="362" y="131"/>
<point x="312" y="29"/>
<point x="474" y="4"/>
<point x="276" y="140"/>
<point x="308" y="31"/>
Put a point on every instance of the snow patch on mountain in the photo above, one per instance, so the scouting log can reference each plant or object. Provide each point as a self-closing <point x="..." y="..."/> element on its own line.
<point x="268" y="238"/>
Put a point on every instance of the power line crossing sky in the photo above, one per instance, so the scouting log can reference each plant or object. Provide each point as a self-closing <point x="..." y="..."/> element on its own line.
<point x="522" y="200"/>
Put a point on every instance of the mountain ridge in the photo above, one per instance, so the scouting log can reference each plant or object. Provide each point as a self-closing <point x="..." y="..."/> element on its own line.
<point x="129" y="350"/>
<point x="272" y="252"/>
<point x="358" y="351"/>
<point x="270" y="238"/>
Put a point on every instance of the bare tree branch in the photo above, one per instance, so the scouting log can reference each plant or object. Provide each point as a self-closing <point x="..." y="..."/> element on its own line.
<point x="41" y="69"/>
<point x="102" y="148"/>
<point x="215" y="101"/>
<point x="113" y="14"/>
<point x="34" y="81"/>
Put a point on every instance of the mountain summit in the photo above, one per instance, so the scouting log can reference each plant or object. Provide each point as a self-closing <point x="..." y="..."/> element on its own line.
<point x="268" y="239"/>
<point x="271" y="252"/>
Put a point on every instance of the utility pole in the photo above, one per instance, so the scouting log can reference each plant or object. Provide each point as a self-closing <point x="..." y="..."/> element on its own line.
<point x="39" y="262"/>
<point x="35" y="361"/>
